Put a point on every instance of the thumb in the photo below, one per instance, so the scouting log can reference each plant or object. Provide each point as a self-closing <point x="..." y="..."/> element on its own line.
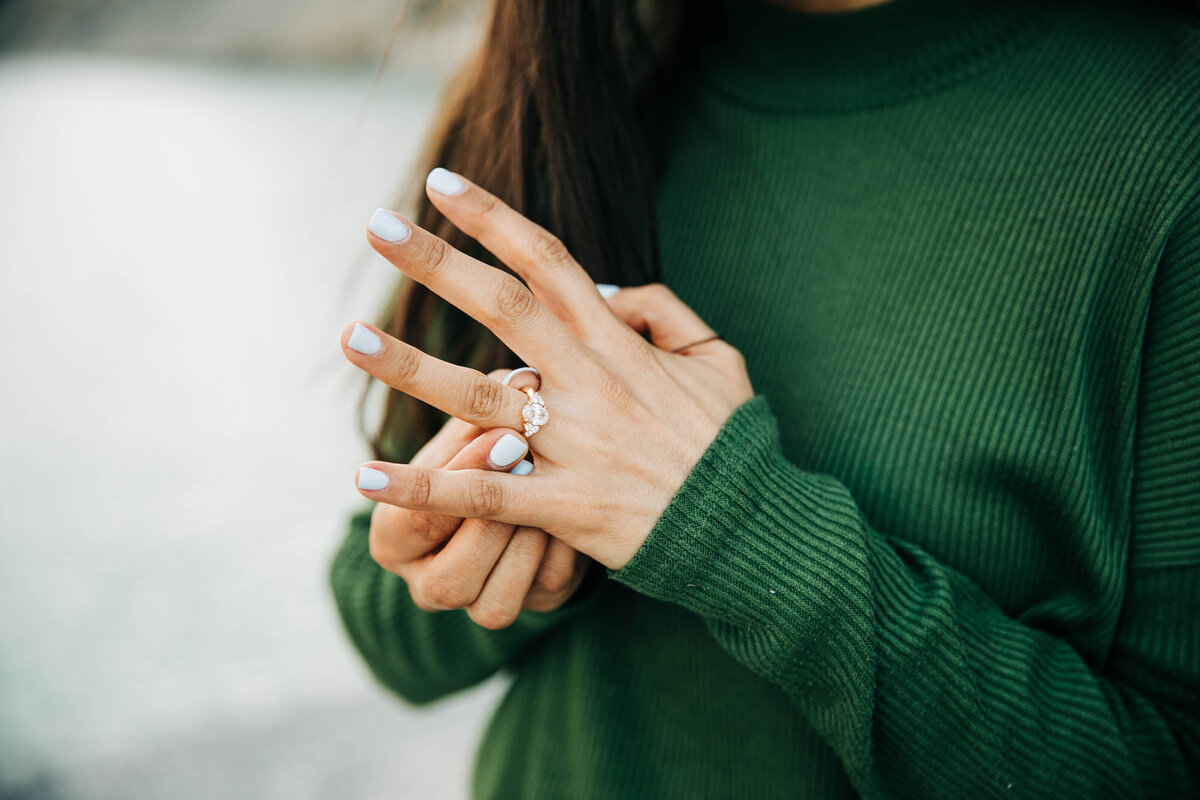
<point x="655" y="310"/>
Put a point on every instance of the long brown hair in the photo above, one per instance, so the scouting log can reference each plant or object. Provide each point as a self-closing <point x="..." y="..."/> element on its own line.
<point x="555" y="114"/>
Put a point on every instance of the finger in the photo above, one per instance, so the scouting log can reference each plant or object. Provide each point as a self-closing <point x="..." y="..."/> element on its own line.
<point x="466" y="493"/>
<point x="446" y="443"/>
<point x="451" y="437"/>
<point x="556" y="577"/>
<point x="557" y="567"/>
<point x="496" y="299"/>
<point x="655" y="309"/>
<point x="503" y="594"/>
<point x="464" y="393"/>
<point x="414" y="533"/>
<point x="559" y="283"/>
<point x="455" y="577"/>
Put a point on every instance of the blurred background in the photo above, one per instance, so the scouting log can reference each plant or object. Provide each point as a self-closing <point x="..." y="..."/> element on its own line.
<point x="183" y="191"/>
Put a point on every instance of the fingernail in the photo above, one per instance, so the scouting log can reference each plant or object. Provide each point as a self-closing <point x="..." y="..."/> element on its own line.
<point x="506" y="451"/>
<point x="443" y="181"/>
<point x="363" y="340"/>
<point x="607" y="290"/>
<point x="371" y="480"/>
<point x="522" y="468"/>
<point x="385" y="225"/>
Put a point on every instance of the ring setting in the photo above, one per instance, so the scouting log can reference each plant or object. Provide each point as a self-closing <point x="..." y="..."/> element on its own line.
<point x="534" y="413"/>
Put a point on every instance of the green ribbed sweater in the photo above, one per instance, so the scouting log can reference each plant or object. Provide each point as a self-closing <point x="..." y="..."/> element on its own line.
<point x="952" y="548"/>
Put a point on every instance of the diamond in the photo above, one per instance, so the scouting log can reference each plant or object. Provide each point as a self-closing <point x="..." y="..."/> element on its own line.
<point x="534" y="414"/>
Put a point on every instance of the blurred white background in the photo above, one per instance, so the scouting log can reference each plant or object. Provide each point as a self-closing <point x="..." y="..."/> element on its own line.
<point x="180" y="245"/>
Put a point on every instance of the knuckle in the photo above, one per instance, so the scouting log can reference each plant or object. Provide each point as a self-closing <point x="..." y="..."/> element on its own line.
<point x="488" y="205"/>
<point x="381" y="550"/>
<point x="492" y="615"/>
<point x="422" y="602"/>
<point x="432" y="255"/>
<point x="446" y="590"/>
<point x="547" y="250"/>
<point x="733" y="358"/>
<point x="630" y="346"/>
<point x="555" y="580"/>
<point x="615" y="390"/>
<point x="422" y="529"/>
<point x="658" y="292"/>
<point x="485" y="398"/>
<point x="406" y="362"/>
<point x="527" y="545"/>
<point x="514" y="302"/>
<point x="420" y="488"/>
<point x="500" y="531"/>
<point x="380" y="544"/>
<point x="540" y="602"/>
<point x="617" y="393"/>
<point x="484" y="496"/>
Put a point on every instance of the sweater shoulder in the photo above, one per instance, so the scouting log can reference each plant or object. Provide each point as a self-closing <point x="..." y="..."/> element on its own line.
<point x="1138" y="29"/>
<point x="1131" y="71"/>
<point x="1134" y="46"/>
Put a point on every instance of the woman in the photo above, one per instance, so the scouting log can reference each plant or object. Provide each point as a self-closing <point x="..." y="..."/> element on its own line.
<point x="948" y="543"/>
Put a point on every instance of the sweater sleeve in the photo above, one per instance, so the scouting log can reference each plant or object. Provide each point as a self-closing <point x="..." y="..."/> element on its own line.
<point x="424" y="656"/>
<point x="917" y="679"/>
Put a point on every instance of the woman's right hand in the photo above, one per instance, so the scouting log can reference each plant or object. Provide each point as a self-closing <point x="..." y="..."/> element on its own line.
<point x="492" y="569"/>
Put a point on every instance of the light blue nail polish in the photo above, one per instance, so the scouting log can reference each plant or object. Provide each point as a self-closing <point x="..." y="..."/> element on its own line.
<point x="443" y="181"/>
<point x="385" y="225"/>
<point x="506" y="450"/>
<point x="363" y="340"/>
<point x="371" y="480"/>
<point x="522" y="468"/>
<point x="607" y="290"/>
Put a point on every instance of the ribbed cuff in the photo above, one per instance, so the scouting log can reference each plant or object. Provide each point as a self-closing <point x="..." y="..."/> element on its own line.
<point x="752" y="541"/>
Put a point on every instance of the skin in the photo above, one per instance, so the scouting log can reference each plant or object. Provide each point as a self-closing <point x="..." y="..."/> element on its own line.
<point x="460" y="548"/>
<point x="629" y="419"/>
<point x="491" y="569"/>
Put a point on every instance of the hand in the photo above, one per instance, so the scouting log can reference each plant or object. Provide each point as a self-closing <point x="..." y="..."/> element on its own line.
<point x="492" y="569"/>
<point x="628" y="419"/>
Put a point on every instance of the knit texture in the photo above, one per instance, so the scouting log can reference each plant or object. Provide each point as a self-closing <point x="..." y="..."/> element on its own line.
<point x="952" y="548"/>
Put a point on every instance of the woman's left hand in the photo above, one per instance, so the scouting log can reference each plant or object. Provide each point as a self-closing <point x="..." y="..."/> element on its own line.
<point x="628" y="420"/>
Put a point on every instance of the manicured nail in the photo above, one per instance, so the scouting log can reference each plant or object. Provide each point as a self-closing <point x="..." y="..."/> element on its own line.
<point x="443" y="181"/>
<point x="506" y="451"/>
<point x="371" y="480"/>
<point x="385" y="225"/>
<point x="607" y="290"/>
<point x="522" y="468"/>
<point x="363" y="340"/>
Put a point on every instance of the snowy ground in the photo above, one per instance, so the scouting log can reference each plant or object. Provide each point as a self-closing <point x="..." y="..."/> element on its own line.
<point x="179" y="248"/>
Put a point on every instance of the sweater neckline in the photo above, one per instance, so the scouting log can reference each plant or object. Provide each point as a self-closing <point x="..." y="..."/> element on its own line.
<point x="881" y="55"/>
